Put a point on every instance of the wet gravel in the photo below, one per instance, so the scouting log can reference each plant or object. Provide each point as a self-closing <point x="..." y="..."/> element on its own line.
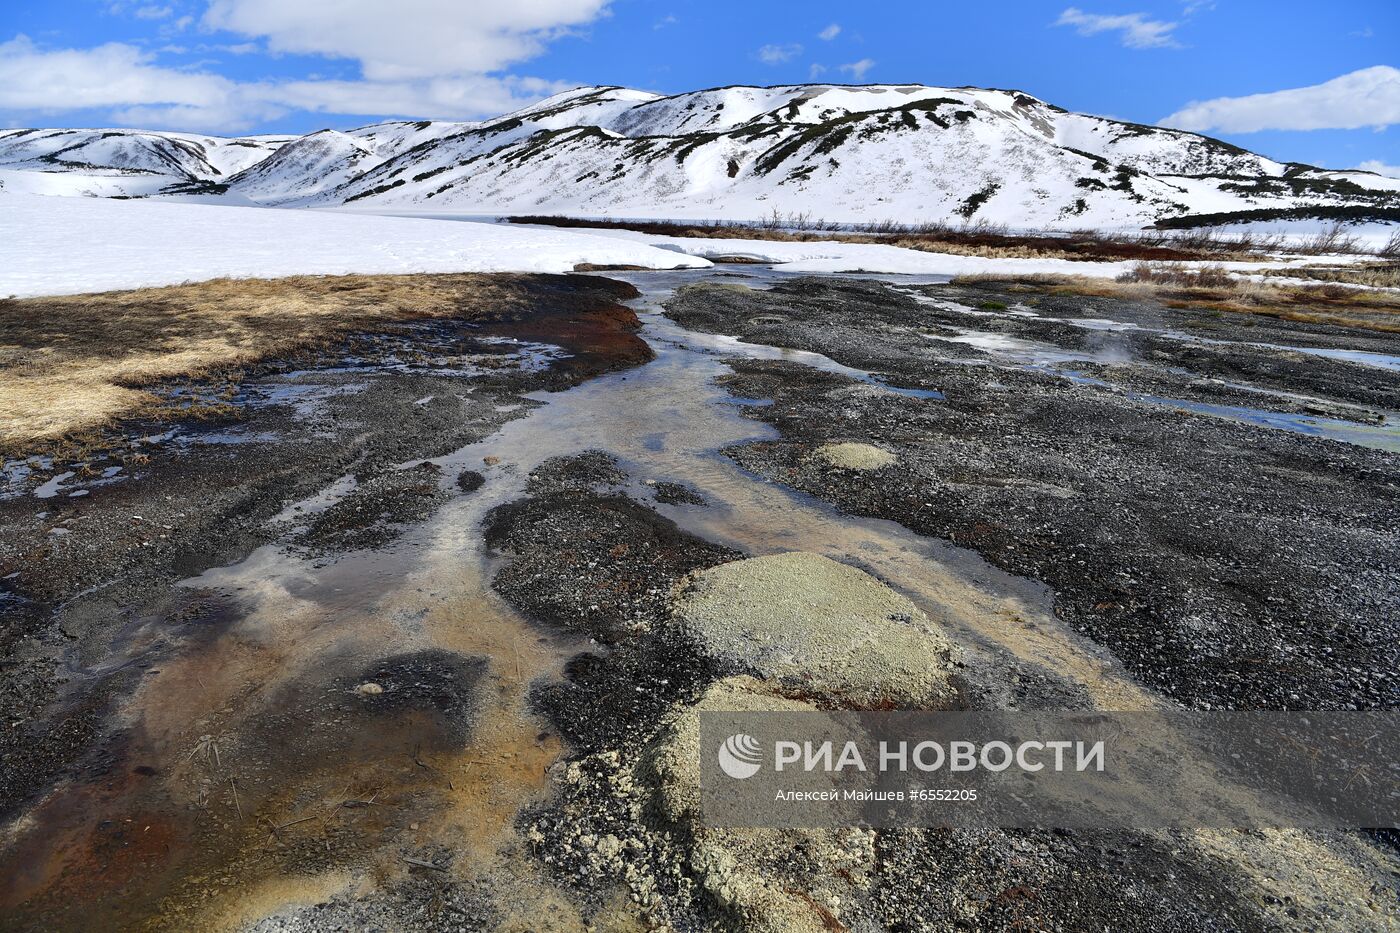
<point x="376" y="511"/>
<point x="676" y="494"/>
<point x="1227" y="565"/>
<point x="1062" y="881"/>
<point x="586" y="559"/>
<point x="85" y="579"/>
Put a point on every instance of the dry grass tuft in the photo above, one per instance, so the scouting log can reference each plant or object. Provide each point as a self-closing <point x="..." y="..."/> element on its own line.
<point x="1180" y="276"/>
<point x="1214" y="289"/>
<point x="73" y="364"/>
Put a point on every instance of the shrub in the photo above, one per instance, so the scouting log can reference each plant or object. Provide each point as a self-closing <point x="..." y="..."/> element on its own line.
<point x="1332" y="239"/>
<point x="1181" y="276"/>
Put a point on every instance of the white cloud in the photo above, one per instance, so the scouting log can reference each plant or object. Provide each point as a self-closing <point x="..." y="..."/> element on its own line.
<point x="1369" y="97"/>
<point x="1380" y="168"/>
<point x="830" y="32"/>
<point x="663" y="22"/>
<point x="417" y="58"/>
<point x="858" y="69"/>
<point x="124" y="79"/>
<point x="109" y="75"/>
<point x="815" y="71"/>
<point x="1137" y="31"/>
<point x="407" y="39"/>
<point x="777" y="54"/>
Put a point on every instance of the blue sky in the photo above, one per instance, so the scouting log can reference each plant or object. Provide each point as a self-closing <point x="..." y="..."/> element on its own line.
<point x="1298" y="81"/>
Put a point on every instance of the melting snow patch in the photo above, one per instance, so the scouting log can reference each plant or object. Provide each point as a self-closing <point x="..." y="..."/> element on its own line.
<point x="54" y="246"/>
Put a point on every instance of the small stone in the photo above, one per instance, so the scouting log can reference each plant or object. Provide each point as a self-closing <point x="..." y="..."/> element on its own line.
<point x="369" y="689"/>
<point x="853" y="456"/>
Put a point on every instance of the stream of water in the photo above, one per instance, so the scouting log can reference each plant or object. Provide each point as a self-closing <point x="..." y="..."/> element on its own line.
<point x="306" y="620"/>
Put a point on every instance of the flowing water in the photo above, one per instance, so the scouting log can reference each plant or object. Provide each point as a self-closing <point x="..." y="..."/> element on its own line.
<point x="257" y="735"/>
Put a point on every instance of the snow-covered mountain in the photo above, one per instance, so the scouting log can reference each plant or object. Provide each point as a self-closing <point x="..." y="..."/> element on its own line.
<point x="844" y="153"/>
<point x="123" y="163"/>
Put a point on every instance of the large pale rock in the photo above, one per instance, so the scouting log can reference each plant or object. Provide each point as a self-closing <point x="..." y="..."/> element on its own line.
<point x="817" y="628"/>
<point x="771" y="880"/>
<point x="850" y="455"/>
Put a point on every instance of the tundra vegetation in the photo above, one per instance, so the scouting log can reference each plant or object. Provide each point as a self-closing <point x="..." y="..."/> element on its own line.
<point x="73" y="364"/>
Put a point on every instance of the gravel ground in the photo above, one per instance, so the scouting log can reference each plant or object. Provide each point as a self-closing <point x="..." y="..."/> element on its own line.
<point x="606" y="828"/>
<point x="88" y="603"/>
<point x="1227" y="565"/>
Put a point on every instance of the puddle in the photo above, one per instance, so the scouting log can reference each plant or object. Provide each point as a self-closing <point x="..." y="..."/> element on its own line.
<point x="225" y="438"/>
<point x="1360" y="357"/>
<point x="1034" y="352"/>
<point x="1384" y="437"/>
<point x="52" y="488"/>
<point x="1051" y="358"/>
<point x="1378" y="437"/>
<point x="734" y="348"/>
<point x="15" y="474"/>
<point x="423" y="349"/>
<point x="307" y="399"/>
<point x="314" y="505"/>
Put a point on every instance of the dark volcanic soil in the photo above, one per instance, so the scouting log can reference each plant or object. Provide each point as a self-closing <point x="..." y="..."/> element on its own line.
<point x="576" y="547"/>
<point x="90" y="616"/>
<point x="586" y="558"/>
<point x="1228" y="565"/>
<point x="429" y="695"/>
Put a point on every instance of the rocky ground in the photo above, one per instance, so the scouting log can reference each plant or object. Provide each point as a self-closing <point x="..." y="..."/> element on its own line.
<point x="1229" y="566"/>
<point x="347" y="723"/>
<point x="91" y="610"/>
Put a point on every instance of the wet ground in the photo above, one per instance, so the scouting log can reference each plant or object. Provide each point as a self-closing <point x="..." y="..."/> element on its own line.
<point x="1173" y="493"/>
<point x="388" y="651"/>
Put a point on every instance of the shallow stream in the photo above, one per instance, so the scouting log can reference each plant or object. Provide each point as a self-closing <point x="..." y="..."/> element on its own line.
<point x="212" y="722"/>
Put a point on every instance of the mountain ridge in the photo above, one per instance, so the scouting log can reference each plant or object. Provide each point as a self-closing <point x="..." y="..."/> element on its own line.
<point x="848" y="153"/>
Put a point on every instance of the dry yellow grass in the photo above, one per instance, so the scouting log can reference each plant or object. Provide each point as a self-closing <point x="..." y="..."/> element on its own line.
<point x="1215" y="290"/>
<point x="73" y="364"/>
